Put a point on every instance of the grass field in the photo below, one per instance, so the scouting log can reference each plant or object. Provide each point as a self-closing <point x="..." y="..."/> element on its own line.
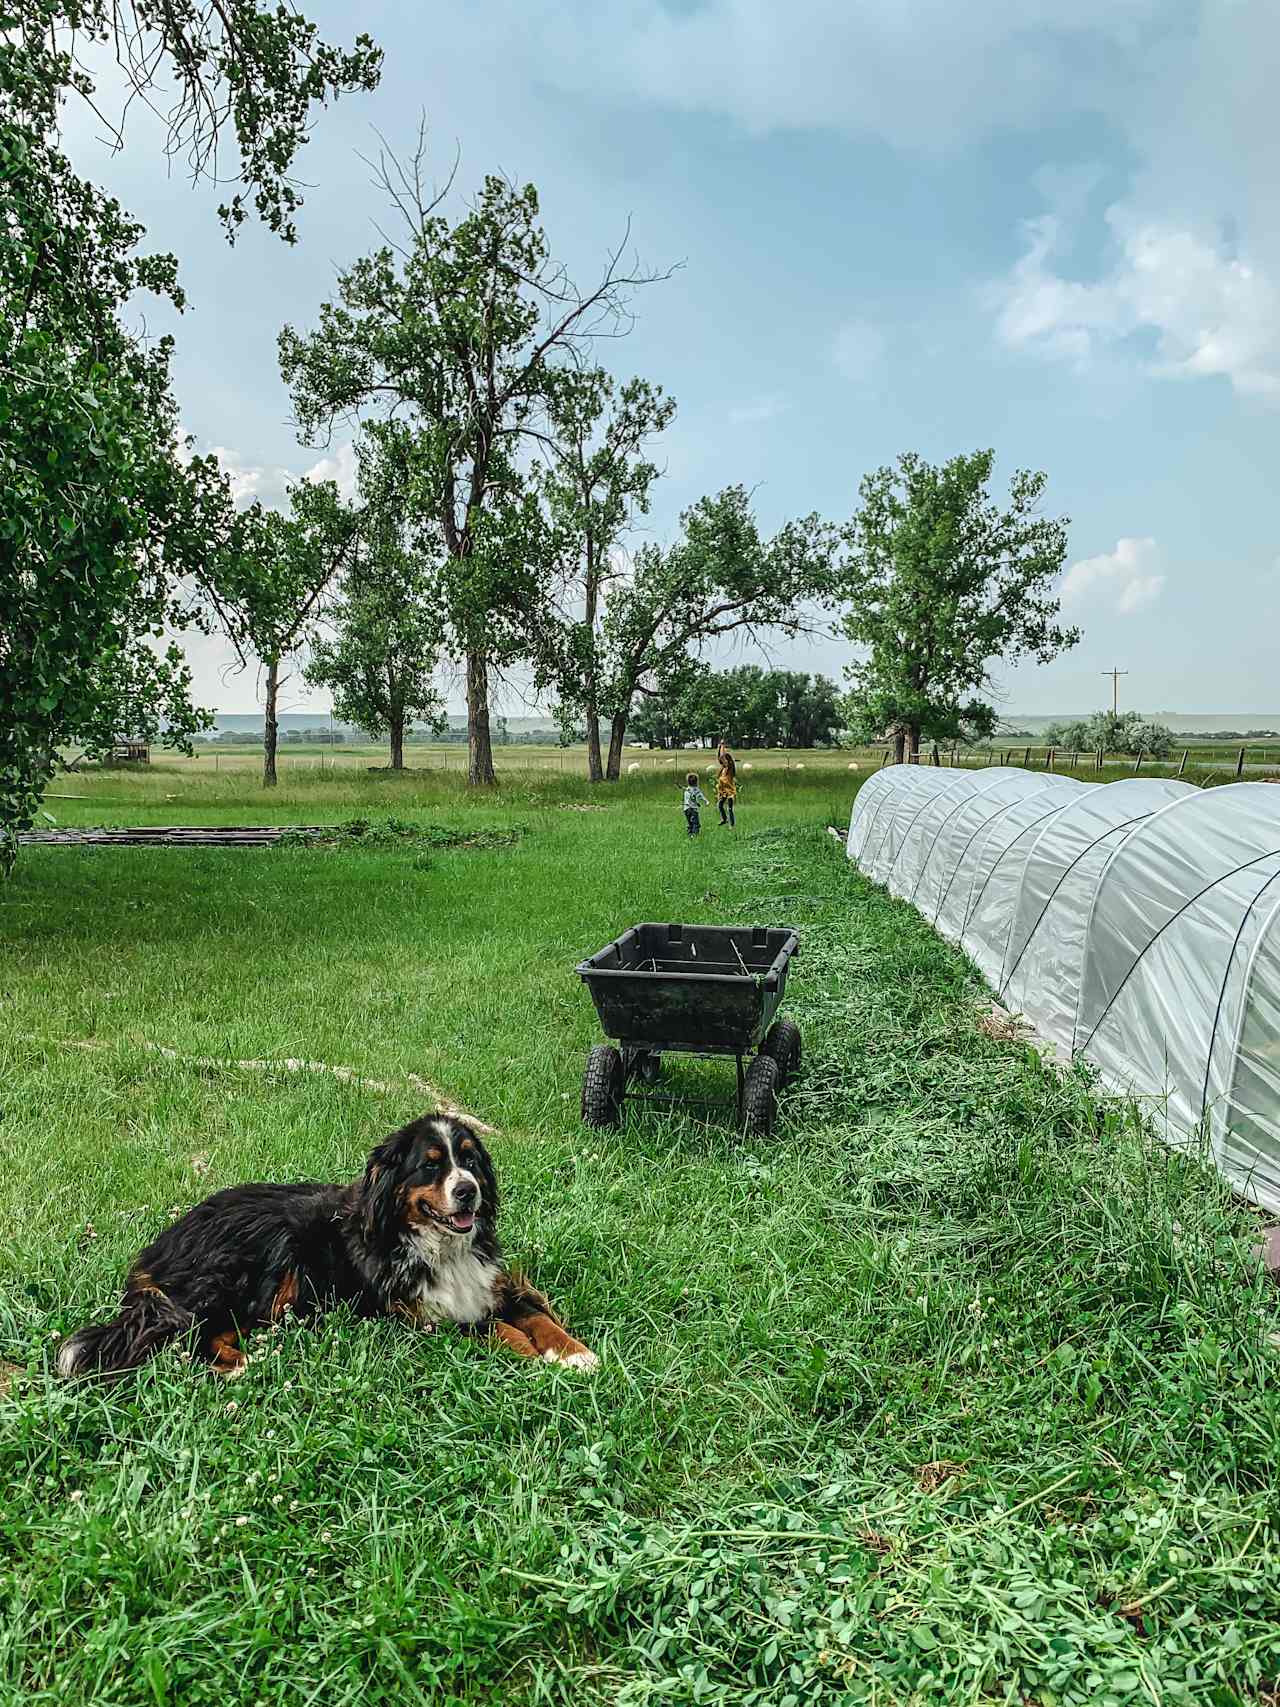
<point x="961" y="1389"/>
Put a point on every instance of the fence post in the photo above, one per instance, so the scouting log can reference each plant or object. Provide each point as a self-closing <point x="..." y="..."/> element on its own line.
<point x="1137" y="763"/>
<point x="1075" y="758"/>
<point x="1048" y="759"/>
<point x="1240" y="763"/>
<point x="1183" y="763"/>
<point x="885" y="760"/>
<point x="936" y="758"/>
<point x="1098" y="762"/>
<point x="1026" y="759"/>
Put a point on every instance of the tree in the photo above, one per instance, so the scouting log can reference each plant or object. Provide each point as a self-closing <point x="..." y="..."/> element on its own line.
<point x="1129" y="732"/>
<point x="103" y="514"/>
<point x="597" y="480"/>
<point x="462" y="351"/>
<point x="750" y="706"/>
<point x="939" y="584"/>
<point x="719" y="578"/>
<point x="268" y="584"/>
<point x="379" y="658"/>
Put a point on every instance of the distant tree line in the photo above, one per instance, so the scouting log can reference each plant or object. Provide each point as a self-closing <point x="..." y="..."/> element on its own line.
<point x="749" y="706"/>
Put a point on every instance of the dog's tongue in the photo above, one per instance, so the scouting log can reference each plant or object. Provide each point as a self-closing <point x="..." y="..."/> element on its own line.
<point x="463" y="1221"/>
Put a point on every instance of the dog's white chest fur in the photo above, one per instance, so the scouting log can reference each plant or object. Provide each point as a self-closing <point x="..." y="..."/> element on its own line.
<point x="461" y="1285"/>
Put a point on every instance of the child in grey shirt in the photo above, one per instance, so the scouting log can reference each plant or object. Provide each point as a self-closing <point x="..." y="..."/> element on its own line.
<point x="693" y="798"/>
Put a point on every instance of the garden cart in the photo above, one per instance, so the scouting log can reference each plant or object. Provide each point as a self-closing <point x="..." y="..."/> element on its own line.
<point x="690" y="990"/>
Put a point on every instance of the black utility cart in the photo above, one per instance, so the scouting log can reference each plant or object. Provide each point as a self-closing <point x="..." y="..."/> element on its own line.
<point x="691" y="990"/>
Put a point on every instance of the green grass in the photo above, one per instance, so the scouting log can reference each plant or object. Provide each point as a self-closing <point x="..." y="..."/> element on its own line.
<point x="961" y="1389"/>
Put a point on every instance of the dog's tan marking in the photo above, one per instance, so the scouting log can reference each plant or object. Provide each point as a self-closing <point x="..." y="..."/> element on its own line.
<point x="551" y="1342"/>
<point x="226" y="1355"/>
<point x="514" y="1340"/>
<point x="286" y="1295"/>
<point x="140" y="1281"/>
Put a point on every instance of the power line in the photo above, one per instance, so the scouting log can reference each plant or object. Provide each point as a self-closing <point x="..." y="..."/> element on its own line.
<point x="1115" y="689"/>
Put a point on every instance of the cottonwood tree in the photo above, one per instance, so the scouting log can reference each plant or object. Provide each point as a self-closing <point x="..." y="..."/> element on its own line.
<point x="597" y="481"/>
<point x="940" y="583"/>
<point x="382" y="635"/>
<point x="720" y="578"/>
<point x="456" y="348"/>
<point x="268" y="586"/>
<point x="102" y="514"/>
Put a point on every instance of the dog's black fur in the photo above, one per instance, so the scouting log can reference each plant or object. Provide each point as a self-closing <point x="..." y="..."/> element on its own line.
<point x="415" y="1237"/>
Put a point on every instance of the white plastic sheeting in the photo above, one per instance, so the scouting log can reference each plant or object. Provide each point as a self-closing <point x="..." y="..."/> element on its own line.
<point x="1136" y="924"/>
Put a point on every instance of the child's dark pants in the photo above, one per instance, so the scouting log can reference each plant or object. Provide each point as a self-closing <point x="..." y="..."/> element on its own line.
<point x="726" y="801"/>
<point x="692" y="820"/>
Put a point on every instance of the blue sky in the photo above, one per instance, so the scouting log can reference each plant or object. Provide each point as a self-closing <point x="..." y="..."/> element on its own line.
<point x="1049" y="226"/>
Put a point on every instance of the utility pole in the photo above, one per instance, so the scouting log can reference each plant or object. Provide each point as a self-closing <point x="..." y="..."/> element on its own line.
<point x="1115" y="689"/>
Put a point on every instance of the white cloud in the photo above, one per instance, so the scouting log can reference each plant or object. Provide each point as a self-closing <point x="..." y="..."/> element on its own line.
<point x="339" y="467"/>
<point x="268" y="484"/>
<point x="926" y="74"/>
<point x="754" y="414"/>
<point x="1210" y="312"/>
<point x="1123" y="581"/>
<point x="858" y="350"/>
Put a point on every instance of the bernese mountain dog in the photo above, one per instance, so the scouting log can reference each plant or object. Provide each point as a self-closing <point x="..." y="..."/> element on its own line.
<point x="415" y="1237"/>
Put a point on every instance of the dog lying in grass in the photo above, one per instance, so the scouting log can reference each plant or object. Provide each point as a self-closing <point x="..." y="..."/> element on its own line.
<point x="414" y="1237"/>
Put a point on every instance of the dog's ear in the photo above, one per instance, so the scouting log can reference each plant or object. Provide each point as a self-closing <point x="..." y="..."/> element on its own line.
<point x="379" y="1189"/>
<point x="488" y="1182"/>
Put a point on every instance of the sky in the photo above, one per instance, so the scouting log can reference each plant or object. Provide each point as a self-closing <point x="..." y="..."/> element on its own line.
<point x="1045" y="226"/>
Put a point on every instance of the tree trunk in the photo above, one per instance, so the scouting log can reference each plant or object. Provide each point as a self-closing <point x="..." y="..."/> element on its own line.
<point x="617" y="731"/>
<point x="271" y="728"/>
<point x="595" y="766"/>
<point x="915" y="743"/>
<point x="397" y="740"/>
<point x="899" y="746"/>
<point x="479" y="741"/>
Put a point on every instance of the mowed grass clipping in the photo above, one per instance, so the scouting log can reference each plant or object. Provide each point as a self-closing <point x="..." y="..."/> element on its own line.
<point x="960" y="1389"/>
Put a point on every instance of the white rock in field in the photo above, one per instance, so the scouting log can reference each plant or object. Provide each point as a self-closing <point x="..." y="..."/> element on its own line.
<point x="632" y="768"/>
<point x="798" y="767"/>
<point x="854" y="766"/>
<point x="747" y="766"/>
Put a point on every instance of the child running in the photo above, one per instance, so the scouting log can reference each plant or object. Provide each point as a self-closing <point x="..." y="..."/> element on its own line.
<point x="726" y="785"/>
<point x="693" y="798"/>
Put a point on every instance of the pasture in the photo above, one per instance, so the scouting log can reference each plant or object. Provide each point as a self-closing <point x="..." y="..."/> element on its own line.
<point x="959" y="1389"/>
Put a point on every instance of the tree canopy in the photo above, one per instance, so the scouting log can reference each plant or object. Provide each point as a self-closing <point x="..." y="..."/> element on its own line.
<point x="377" y="645"/>
<point x="598" y="479"/>
<point x="939" y="584"/>
<point x="460" y="353"/>
<point x="720" y="577"/>
<point x="267" y="586"/>
<point x="105" y="514"/>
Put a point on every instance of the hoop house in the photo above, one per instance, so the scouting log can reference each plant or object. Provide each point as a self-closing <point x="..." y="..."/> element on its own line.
<point x="1041" y="956"/>
<point x="998" y="867"/>
<point x="1180" y="997"/>
<point x="1136" y="924"/>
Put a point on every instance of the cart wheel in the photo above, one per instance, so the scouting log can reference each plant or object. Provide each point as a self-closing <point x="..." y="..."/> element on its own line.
<point x="782" y="1042"/>
<point x="649" y="1069"/>
<point x="760" y="1096"/>
<point x="602" y="1086"/>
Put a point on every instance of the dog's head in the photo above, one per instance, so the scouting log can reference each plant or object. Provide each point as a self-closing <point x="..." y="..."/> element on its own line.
<point x="433" y="1173"/>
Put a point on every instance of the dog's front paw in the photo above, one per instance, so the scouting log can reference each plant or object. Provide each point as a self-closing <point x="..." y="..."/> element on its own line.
<point x="577" y="1358"/>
